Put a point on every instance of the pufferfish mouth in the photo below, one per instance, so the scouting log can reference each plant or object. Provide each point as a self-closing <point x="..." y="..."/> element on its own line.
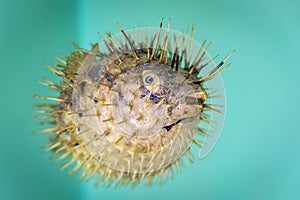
<point x="130" y="108"/>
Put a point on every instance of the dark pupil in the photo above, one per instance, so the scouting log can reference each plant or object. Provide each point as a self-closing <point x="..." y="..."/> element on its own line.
<point x="149" y="79"/>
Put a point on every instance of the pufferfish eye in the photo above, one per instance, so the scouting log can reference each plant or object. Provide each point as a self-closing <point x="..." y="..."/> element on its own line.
<point x="151" y="80"/>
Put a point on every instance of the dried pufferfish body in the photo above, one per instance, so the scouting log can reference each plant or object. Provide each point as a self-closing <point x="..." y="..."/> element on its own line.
<point x="130" y="111"/>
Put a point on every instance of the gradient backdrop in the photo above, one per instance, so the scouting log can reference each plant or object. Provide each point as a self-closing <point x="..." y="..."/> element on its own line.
<point x="257" y="156"/>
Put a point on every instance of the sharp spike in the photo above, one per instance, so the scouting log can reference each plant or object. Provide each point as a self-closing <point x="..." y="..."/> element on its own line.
<point x="60" y="60"/>
<point x="111" y="48"/>
<point x="157" y="39"/>
<point x="175" y="53"/>
<point x="197" y="143"/>
<point x="77" y="166"/>
<point x="207" y="76"/>
<point x="135" y="55"/>
<point x="76" y="46"/>
<point x="48" y="130"/>
<point x="177" y="63"/>
<point x="202" y="55"/>
<point x="191" y="44"/>
<point x="163" y="51"/>
<point x="114" y="42"/>
<point x="50" y="84"/>
<point x="205" y="119"/>
<point x="63" y="156"/>
<point x="197" y="59"/>
<point x="52" y="106"/>
<point x="55" y="71"/>
<point x="206" y="106"/>
<point x="68" y="164"/>
<point x="140" y="39"/>
<point x="218" y="73"/>
<point x="53" y="146"/>
<point x="49" y="98"/>
<point x="205" y="64"/>
<point x="63" y="130"/>
<point x="183" y="52"/>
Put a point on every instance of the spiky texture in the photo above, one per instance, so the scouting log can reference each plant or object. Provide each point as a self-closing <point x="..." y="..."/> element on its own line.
<point x="99" y="104"/>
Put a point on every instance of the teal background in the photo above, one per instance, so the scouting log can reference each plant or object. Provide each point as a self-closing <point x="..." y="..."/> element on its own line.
<point x="257" y="156"/>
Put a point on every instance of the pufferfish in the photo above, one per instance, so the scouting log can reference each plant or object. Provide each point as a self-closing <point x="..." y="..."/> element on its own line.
<point x="130" y="109"/>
